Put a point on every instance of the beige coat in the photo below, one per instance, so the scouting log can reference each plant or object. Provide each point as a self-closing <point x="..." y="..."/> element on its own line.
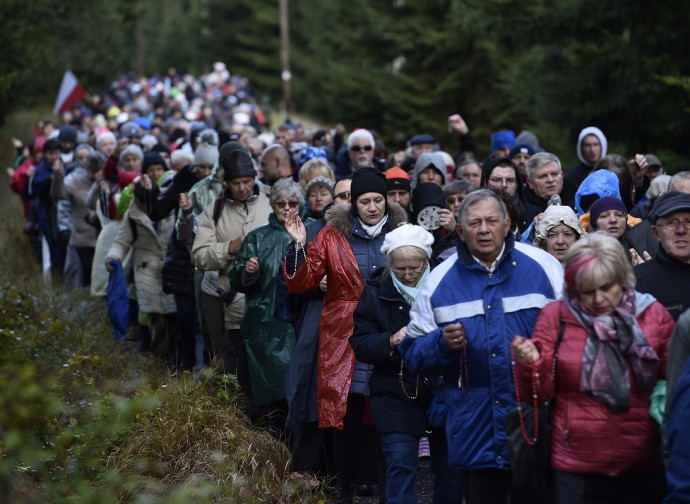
<point x="148" y="253"/>
<point x="210" y="249"/>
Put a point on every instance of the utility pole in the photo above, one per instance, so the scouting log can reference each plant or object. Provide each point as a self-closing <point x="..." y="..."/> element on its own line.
<point x="139" y="37"/>
<point x="286" y="75"/>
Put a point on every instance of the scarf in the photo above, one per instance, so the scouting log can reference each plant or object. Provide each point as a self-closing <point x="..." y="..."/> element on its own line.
<point x="409" y="294"/>
<point x="615" y="342"/>
<point x="376" y="229"/>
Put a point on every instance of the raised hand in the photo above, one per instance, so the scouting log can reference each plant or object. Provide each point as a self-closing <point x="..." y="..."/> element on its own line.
<point x="457" y="123"/>
<point x="185" y="201"/>
<point x="295" y="227"/>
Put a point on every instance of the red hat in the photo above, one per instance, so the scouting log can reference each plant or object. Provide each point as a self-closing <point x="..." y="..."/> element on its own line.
<point x="397" y="178"/>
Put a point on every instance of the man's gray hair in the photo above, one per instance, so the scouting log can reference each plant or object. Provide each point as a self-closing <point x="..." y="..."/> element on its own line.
<point x="103" y="136"/>
<point x="541" y="159"/>
<point x="682" y="175"/>
<point x="363" y="134"/>
<point x="477" y="196"/>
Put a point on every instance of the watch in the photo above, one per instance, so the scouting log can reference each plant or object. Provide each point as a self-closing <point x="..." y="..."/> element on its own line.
<point x="429" y="218"/>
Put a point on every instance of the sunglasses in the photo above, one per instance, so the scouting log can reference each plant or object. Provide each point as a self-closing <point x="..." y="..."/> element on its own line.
<point x="357" y="148"/>
<point x="345" y="195"/>
<point x="283" y="204"/>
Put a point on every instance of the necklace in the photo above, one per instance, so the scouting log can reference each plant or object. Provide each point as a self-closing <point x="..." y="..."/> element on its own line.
<point x="535" y="380"/>
<point x="402" y="384"/>
<point x="463" y="374"/>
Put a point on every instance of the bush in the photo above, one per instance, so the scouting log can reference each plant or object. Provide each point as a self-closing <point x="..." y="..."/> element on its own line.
<point x="84" y="420"/>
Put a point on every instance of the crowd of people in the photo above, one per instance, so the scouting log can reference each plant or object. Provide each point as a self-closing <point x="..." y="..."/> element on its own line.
<point x="380" y="307"/>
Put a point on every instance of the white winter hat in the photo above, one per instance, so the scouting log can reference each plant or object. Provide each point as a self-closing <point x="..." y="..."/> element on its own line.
<point x="407" y="235"/>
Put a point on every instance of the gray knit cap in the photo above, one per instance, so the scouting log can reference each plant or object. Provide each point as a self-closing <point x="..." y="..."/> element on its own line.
<point x="207" y="151"/>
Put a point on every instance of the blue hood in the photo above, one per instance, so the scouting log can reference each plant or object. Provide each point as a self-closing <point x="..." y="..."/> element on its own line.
<point x="601" y="182"/>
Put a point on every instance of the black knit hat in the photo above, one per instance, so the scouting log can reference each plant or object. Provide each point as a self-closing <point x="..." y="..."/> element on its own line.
<point x="367" y="180"/>
<point x="238" y="164"/>
<point x="152" y="158"/>
<point x="68" y="133"/>
<point x="226" y="149"/>
<point x="159" y="147"/>
<point x="427" y="194"/>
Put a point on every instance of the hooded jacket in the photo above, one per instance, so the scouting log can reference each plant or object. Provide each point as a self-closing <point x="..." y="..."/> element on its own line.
<point x="345" y="252"/>
<point x="553" y="216"/>
<point x="579" y="172"/>
<point x="269" y="341"/>
<point x="425" y="159"/>
<point x="602" y="183"/>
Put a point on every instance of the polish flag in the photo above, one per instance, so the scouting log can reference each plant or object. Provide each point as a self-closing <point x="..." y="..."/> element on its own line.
<point x="71" y="92"/>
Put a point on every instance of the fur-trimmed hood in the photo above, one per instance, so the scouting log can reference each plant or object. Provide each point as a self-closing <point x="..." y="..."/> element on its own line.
<point x="339" y="218"/>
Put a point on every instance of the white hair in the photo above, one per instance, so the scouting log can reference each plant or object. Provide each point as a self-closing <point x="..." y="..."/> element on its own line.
<point x="361" y="133"/>
<point x="103" y="136"/>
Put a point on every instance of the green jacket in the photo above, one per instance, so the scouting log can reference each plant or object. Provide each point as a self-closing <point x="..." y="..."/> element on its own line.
<point x="206" y="190"/>
<point x="269" y="342"/>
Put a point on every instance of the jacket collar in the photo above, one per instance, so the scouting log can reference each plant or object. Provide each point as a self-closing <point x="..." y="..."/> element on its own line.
<point x="468" y="261"/>
<point x="358" y="230"/>
<point x="667" y="260"/>
<point x="531" y="197"/>
<point x="253" y="196"/>
<point x="385" y="284"/>
<point x="340" y="218"/>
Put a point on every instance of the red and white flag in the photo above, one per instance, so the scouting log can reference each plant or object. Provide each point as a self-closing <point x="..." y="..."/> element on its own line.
<point x="71" y="92"/>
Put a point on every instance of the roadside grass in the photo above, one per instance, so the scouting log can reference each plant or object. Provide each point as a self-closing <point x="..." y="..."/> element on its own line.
<point x="84" y="420"/>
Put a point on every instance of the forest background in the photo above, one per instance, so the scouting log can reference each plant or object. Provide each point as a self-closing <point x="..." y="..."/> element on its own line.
<point x="397" y="66"/>
<point x="82" y="421"/>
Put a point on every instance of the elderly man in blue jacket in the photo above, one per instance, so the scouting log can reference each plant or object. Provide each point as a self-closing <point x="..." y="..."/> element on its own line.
<point x="461" y="326"/>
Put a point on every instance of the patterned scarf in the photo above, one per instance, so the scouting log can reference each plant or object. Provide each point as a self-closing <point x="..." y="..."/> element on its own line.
<point x="615" y="342"/>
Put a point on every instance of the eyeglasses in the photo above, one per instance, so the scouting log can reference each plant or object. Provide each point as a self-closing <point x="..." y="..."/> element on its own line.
<point x="283" y="204"/>
<point x="345" y="195"/>
<point x="401" y="272"/>
<point x="357" y="148"/>
<point x="501" y="181"/>
<point x="674" y="225"/>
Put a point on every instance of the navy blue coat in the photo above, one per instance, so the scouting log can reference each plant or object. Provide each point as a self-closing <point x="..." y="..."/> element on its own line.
<point x="678" y="472"/>
<point x="381" y="312"/>
<point x="303" y="311"/>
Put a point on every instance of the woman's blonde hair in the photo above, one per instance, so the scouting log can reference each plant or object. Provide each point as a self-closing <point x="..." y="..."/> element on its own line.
<point x="315" y="167"/>
<point x="406" y="252"/>
<point x="596" y="257"/>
